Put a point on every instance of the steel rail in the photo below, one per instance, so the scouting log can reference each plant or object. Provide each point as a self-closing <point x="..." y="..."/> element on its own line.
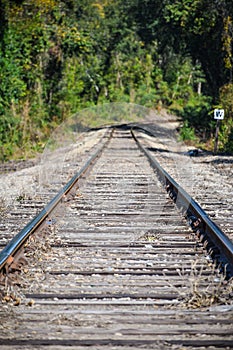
<point x="20" y="238"/>
<point x="218" y="245"/>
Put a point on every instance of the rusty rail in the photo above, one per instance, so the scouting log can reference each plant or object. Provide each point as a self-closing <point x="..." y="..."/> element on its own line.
<point x="7" y="254"/>
<point x="218" y="245"/>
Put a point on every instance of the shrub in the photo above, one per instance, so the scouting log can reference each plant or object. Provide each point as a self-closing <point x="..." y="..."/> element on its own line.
<point x="187" y="133"/>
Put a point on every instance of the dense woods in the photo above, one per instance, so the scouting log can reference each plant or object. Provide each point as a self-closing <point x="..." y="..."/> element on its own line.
<point x="59" y="57"/>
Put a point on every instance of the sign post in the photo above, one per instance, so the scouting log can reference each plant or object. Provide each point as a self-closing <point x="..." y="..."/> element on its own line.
<point x="218" y="115"/>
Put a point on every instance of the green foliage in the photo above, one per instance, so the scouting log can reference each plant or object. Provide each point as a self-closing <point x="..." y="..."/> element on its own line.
<point x="184" y="14"/>
<point x="9" y="135"/>
<point x="196" y="112"/>
<point x="147" y="97"/>
<point x="228" y="144"/>
<point x="204" y="30"/>
<point x="57" y="57"/>
<point x="71" y="86"/>
<point x="226" y="129"/>
<point x="187" y="133"/>
<point x="226" y="100"/>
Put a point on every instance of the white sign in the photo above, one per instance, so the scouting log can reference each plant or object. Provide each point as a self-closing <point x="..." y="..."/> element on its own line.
<point x="219" y="114"/>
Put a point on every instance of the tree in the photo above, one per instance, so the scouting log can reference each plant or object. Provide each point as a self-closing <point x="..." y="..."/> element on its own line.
<point x="206" y="30"/>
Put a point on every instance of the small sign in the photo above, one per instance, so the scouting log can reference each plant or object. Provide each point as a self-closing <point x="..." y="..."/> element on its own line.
<point x="219" y="114"/>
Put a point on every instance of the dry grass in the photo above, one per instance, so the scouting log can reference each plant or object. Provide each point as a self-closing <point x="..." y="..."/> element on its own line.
<point x="37" y="249"/>
<point x="202" y="290"/>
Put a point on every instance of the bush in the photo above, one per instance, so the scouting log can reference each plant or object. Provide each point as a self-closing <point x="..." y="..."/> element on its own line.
<point x="187" y="133"/>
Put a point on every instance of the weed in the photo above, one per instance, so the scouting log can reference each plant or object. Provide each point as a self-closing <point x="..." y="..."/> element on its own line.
<point x="204" y="289"/>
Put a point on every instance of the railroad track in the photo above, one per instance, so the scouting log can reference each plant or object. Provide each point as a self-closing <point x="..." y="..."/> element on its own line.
<point x="207" y="178"/>
<point x="117" y="265"/>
